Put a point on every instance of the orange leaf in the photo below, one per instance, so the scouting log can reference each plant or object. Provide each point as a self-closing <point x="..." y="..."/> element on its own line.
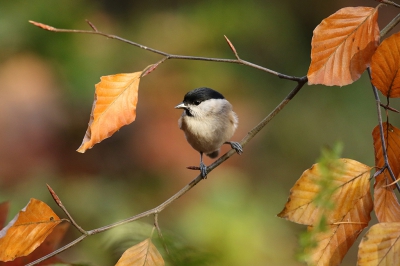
<point x="342" y="46"/>
<point x="392" y="140"/>
<point x="380" y="245"/>
<point x="114" y="106"/>
<point x="143" y="254"/>
<point x="27" y="230"/>
<point x="387" y="207"/>
<point x="3" y="213"/>
<point x="385" y="66"/>
<point x="48" y="246"/>
<point x="333" y="244"/>
<point x="351" y="182"/>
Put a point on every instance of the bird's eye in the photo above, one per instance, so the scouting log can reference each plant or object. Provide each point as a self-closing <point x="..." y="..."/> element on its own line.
<point x="197" y="102"/>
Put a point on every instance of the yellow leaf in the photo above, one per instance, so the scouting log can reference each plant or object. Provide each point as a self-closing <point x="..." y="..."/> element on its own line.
<point x="351" y="183"/>
<point x="27" y="230"/>
<point x="342" y="46"/>
<point x="114" y="106"/>
<point x="380" y="245"/>
<point x="333" y="244"/>
<point x="385" y="66"/>
<point x="142" y="254"/>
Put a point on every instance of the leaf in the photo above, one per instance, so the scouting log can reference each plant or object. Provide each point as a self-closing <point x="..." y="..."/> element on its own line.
<point x="386" y="205"/>
<point x="4" y="206"/>
<point x="392" y="141"/>
<point x="342" y="46"/>
<point x="49" y="245"/>
<point x="380" y="245"/>
<point x="385" y="66"/>
<point x="143" y="254"/>
<point x="333" y="244"/>
<point x="114" y="106"/>
<point x="351" y="184"/>
<point x="27" y="230"/>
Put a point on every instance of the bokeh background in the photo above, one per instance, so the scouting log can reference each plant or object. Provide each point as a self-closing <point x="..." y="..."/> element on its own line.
<point x="46" y="93"/>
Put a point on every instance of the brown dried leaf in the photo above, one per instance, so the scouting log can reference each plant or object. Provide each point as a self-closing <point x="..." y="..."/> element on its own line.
<point x="386" y="205"/>
<point x="4" y="206"/>
<point x="142" y="254"/>
<point x="27" y="230"/>
<point x="333" y="244"/>
<point x="380" y="245"/>
<point x="342" y="46"/>
<point x="351" y="184"/>
<point x="385" y="66"/>
<point x="114" y="106"/>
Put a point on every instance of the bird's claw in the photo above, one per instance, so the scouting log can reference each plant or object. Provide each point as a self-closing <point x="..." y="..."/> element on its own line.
<point x="236" y="146"/>
<point x="203" y="170"/>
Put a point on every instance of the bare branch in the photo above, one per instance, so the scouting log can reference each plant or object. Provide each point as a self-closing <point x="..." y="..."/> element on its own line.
<point x="389" y="3"/>
<point x="160" y="235"/>
<point x="59" y="203"/>
<point x="390" y="26"/>
<point x="167" y="55"/>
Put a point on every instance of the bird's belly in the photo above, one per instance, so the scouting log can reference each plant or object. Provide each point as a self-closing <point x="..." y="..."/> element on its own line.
<point x="203" y="138"/>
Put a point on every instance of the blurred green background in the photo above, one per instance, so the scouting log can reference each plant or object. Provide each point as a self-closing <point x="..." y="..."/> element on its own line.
<point x="46" y="92"/>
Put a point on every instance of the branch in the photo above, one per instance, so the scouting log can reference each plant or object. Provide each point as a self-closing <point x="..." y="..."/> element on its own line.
<point x="389" y="3"/>
<point x="301" y="81"/>
<point x="189" y="186"/>
<point x="167" y="55"/>
<point x="384" y="149"/>
<point x="393" y="23"/>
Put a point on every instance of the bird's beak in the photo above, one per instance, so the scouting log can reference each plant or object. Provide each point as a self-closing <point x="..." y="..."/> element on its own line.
<point x="181" y="106"/>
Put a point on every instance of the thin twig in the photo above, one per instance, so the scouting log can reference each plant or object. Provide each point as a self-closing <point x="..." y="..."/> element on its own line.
<point x="167" y="55"/>
<point x="390" y="26"/>
<point x="160" y="235"/>
<point x="61" y="205"/>
<point x="384" y="148"/>
<point x="389" y="3"/>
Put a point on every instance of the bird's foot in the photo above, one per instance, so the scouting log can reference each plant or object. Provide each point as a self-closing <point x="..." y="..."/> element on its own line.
<point x="236" y="146"/>
<point x="203" y="170"/>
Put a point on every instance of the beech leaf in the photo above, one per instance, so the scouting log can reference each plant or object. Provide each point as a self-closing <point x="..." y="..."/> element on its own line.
<point x="385" y="66"/>
<point x="386" y="205"/>
<point x="142" y="254"/>
<point x="49" y="245"/>
<point x="342" y="46"/>
<point x="114" y="106"/>
<point x="380" y="245"/>
<point x="27" y="230"/>
<point x="334" y="243"/>
<point x="351" y="183"/>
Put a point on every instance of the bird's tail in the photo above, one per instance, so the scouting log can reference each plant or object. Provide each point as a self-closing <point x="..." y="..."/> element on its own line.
<point x="214" y="154"/>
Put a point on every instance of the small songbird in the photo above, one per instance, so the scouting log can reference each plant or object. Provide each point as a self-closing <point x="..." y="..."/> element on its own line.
<point x="208" y="122"/>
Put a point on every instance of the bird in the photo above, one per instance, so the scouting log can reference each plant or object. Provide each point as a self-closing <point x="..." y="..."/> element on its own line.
<point x="208" y="122"/>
